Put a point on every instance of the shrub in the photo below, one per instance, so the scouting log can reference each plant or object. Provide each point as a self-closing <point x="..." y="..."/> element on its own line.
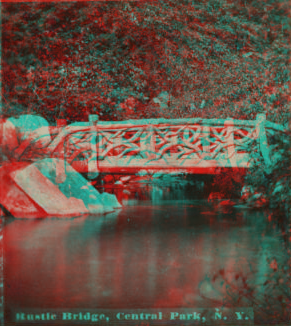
<point x="272" y="181"/>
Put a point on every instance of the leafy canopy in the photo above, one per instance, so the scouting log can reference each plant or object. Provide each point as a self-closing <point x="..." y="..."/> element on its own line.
<point x="212" y="58"/>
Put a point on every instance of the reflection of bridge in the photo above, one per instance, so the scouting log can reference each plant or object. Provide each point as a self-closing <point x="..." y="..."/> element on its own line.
<point x="194" y="145"/>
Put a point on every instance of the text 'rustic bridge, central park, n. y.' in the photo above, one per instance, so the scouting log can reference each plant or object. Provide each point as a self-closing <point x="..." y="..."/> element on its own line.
<point x="191" y="145"/>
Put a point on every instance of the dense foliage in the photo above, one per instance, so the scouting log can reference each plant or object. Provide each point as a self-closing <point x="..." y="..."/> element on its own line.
<point x="147" y="59"/>
<point x="272" y="181"/>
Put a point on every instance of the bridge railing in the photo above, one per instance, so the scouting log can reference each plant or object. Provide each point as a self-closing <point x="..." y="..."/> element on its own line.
<point x="191" y="144"/>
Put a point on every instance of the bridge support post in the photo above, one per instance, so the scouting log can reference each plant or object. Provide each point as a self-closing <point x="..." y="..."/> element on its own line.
<point x="148" y="143"/>
<point x="152" y="142"/>
<point x="205" y="142"/>
<point x="229" y="139"/>
<point x="92" y="163"/>
<point x="261" y="134"/>
<point x="61" y="164"/>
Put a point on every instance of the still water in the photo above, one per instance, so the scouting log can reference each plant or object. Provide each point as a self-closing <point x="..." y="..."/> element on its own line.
<point x="178" y="253"/>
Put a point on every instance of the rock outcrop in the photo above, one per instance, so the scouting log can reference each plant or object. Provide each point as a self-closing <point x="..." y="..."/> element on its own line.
<point x="31" y="190"/>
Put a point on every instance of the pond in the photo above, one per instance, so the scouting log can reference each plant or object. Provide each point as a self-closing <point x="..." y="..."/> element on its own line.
<point x="169" y="254"/>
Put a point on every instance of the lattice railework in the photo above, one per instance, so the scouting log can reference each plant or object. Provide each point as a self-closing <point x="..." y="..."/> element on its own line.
<point x="36" y="148"/>
<point x="195" y="143"/>
<point x="32" y="154"/>
<point x="119" y="143"/>
<point x="154" y="143"/>
<point x="164" y="145"/>
<point x="148" y="144"/>
<point x="78" y="148"/>
<point x="244" y="137"/>
<point x="73" y="146"/>
<point x="179" y="142"/>
<point x="217" y="138"/>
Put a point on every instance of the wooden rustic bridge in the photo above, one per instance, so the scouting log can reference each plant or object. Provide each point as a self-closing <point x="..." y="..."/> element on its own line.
<point x="192" y="145"/>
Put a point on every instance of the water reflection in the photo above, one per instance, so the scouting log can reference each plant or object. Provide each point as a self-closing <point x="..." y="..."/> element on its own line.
<point x="174" y="254"/>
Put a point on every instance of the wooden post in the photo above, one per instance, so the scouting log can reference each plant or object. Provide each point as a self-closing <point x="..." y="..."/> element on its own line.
<point x="261" y="134"/>
<point x="152" y="143"/>
<point x="92" y="163"/>
<point x="93" y="119"/>
<point x="148" y="143"/>
<point x="205" y="142"/>
<point x="61" y="163"/>
<point x="229" y="139"/>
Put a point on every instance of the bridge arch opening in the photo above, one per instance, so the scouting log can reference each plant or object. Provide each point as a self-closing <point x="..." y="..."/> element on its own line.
<point x="158" y="185"/>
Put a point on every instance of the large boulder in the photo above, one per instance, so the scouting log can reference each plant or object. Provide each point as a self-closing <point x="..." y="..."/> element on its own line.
<point x="46" y="194"/>
<point x="110" y="200"/>
<point x="31" y="190"/>
<point x="75" y="185"/>
<point x="8" y="140"/>
<point x="14" y="199"/>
